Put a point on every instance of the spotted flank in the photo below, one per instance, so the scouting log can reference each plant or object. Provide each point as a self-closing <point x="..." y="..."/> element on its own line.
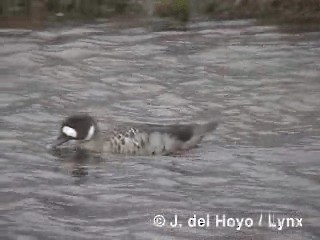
<point x="125" y="142"/>
<point x="134" y="142"/>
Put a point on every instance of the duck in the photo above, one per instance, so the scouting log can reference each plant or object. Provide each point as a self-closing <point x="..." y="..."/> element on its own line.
<point x="143" y="139"/>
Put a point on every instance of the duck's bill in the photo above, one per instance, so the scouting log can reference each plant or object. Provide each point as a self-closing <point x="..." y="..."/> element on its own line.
<point x="59" y="141"/>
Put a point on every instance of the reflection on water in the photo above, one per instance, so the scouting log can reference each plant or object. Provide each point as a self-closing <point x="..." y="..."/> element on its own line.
<point x="263" y="83"/>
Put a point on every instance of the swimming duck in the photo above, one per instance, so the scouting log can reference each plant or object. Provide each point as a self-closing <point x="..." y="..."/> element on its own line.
<point x="147" y="139"/>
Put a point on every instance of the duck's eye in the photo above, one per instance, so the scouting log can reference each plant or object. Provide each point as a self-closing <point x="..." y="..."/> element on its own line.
<point x="70" y="132"/>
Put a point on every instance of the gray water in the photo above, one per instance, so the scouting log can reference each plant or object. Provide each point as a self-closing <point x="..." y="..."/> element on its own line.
<point x="260" y="81"/>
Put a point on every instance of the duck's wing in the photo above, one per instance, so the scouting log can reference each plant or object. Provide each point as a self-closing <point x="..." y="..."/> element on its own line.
<point x="183" y="135"/>
<point x="152" y="139"/>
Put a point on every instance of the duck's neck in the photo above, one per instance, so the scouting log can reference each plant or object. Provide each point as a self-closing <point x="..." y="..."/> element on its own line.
<point x="95" y="144"/>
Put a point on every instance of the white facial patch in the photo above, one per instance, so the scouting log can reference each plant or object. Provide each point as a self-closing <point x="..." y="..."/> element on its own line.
<point x="90" y="133"/>
<point x="69" y="131"/>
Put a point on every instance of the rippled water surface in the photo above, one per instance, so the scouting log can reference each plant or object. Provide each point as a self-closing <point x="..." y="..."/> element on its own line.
<point x="262" y="82"/>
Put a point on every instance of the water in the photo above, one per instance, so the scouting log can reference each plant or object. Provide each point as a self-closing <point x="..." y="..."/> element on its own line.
<point x="262" y="82"/>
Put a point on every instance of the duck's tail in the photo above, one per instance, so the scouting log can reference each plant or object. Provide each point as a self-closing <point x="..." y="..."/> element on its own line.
<point x="199" y="131"/>
<point x="203" y="129"/>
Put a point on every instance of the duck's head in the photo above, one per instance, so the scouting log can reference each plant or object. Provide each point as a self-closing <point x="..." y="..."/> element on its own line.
<point x="81" y="127"/>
